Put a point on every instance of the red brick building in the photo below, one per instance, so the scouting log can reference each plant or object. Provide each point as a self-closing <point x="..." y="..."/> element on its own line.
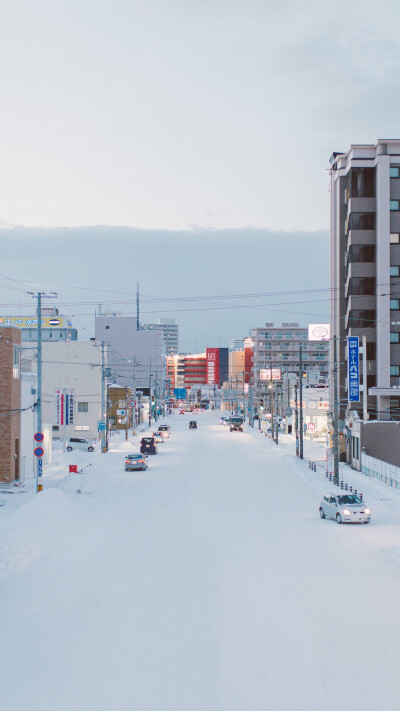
<point x="10" y="403"/>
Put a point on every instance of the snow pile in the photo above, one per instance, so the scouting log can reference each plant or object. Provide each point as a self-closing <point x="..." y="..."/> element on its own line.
<point x="16" y="554"/>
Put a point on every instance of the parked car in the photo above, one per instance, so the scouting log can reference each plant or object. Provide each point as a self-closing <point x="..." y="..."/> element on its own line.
<point x="224" y="420"/>
<point x="158" y="437"/>
<point x="134" y="462"/>
<point x="193" y="425"/>
<point x="148" y="445"/>
<point x="81" y="443"/>
<point x="164" y="430"/>
<point x="236" y="424"/>
<point x="345" y="508"/>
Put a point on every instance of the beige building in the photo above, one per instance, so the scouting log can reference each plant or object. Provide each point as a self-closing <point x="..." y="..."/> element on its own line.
<point x="236" y="368"/>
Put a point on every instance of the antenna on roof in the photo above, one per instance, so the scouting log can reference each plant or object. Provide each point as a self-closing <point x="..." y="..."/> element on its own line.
<point x="137" y="308"/>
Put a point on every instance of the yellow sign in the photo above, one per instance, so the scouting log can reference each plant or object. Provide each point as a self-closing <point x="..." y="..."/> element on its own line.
<point x="48" y="322"/>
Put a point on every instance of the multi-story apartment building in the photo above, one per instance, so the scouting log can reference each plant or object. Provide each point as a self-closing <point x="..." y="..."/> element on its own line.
<point x="365" y="270"/>
<point x="170" y="329"/>
<point x="10" y="404"/>
<point x="279" y="348"/>
<point x="192" y="370"/>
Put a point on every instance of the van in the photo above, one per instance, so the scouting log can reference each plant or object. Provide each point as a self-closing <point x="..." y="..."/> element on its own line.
<point x="80" y="443"/>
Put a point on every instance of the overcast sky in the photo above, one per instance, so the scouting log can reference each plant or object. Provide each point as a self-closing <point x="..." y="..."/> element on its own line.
<point x="173" y="113"/>
<point x="262" y="276"/>
<point x="204" y="128"/>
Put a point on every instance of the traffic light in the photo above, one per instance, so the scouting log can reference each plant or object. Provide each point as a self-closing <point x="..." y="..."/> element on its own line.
<point x="261" y="403"/>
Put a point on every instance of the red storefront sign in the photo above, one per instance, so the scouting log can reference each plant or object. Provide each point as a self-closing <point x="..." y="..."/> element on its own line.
<point x="212" y="366"/>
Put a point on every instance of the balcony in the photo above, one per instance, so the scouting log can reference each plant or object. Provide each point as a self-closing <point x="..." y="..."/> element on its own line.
<point x="360" y="286"/>
<point x="362" y="204"/>
<point x="361" y="237"/>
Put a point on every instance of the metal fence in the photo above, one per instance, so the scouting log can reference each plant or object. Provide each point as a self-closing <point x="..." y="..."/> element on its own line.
<point x="383" y="471"/>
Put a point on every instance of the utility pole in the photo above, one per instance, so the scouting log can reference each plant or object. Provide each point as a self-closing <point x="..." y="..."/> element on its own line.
<point x="39" y="417"/>
<point x="296" y="421"/>
<point x="335" y="412"/>
<point x="150" y="400"/>
<point x="287" y="400"/>
<point x="364" y="372"/>
<point x="251" y="421"/>
<point x="103" y="436"/>
<point x="137" y="307"/>
<point x="301" y="402"/>
<point x="39" y="463"/>
<point x="135" y="407"/>
<point x="272" y="412"/>
<point x="126" y="414"/>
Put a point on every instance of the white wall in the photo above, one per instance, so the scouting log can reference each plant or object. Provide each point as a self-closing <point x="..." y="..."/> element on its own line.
<point x="72" y="365"/>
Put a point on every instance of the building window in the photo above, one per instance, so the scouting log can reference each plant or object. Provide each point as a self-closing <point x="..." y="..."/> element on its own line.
<point x="83" y="407"/>
<point x="80" y="428"/>
<point x="394" y="370"/>
<point x="394" y="337"/>
<point x="395" y="172"/>
<point x="394" y="238"/>
<point x="394" y="205"/>
<point x="107" y="327"/>
<point x="394" y="304"/>
<point x="394" y="271"/>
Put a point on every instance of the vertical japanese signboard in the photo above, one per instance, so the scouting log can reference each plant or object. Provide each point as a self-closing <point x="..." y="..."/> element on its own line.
<point x="59" y="407"/>
<point x="65" y="407"/>
<point x="353" y="370"/>
<point x="69" y="407"/>
<point x="212" y="366"/>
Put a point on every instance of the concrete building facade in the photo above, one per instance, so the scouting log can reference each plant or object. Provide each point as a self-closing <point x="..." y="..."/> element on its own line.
<point x="170" y="329"/>
<point x="72" y="368"/>
<point x="365" y="270"/>
<point x="135" y="356"/>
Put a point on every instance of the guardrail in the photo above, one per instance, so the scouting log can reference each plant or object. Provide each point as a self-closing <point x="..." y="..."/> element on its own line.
<point x="388" y="473"/>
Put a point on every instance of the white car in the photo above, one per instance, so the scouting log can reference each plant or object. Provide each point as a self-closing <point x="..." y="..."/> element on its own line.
<point x="86" y="445"/>
<point x="345" y="508"/>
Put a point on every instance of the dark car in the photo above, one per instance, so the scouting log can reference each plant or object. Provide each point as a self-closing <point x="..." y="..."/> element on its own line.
<point x="236" y="424"/>
<point x="148" y="445"/>
<point x="193" y="425"/>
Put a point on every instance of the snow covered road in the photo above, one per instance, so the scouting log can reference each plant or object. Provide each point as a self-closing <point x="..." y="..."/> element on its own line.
<point x="206" y="583"/>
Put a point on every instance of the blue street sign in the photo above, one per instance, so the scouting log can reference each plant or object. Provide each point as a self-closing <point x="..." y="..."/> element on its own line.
<point x="101" y="426"/>
<point x="40" y="467"/>
<point x="38" y="452"/>
<point x="353" y="370"/>
<point x="38" y="437"/>
<point x="180" y="393"/>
